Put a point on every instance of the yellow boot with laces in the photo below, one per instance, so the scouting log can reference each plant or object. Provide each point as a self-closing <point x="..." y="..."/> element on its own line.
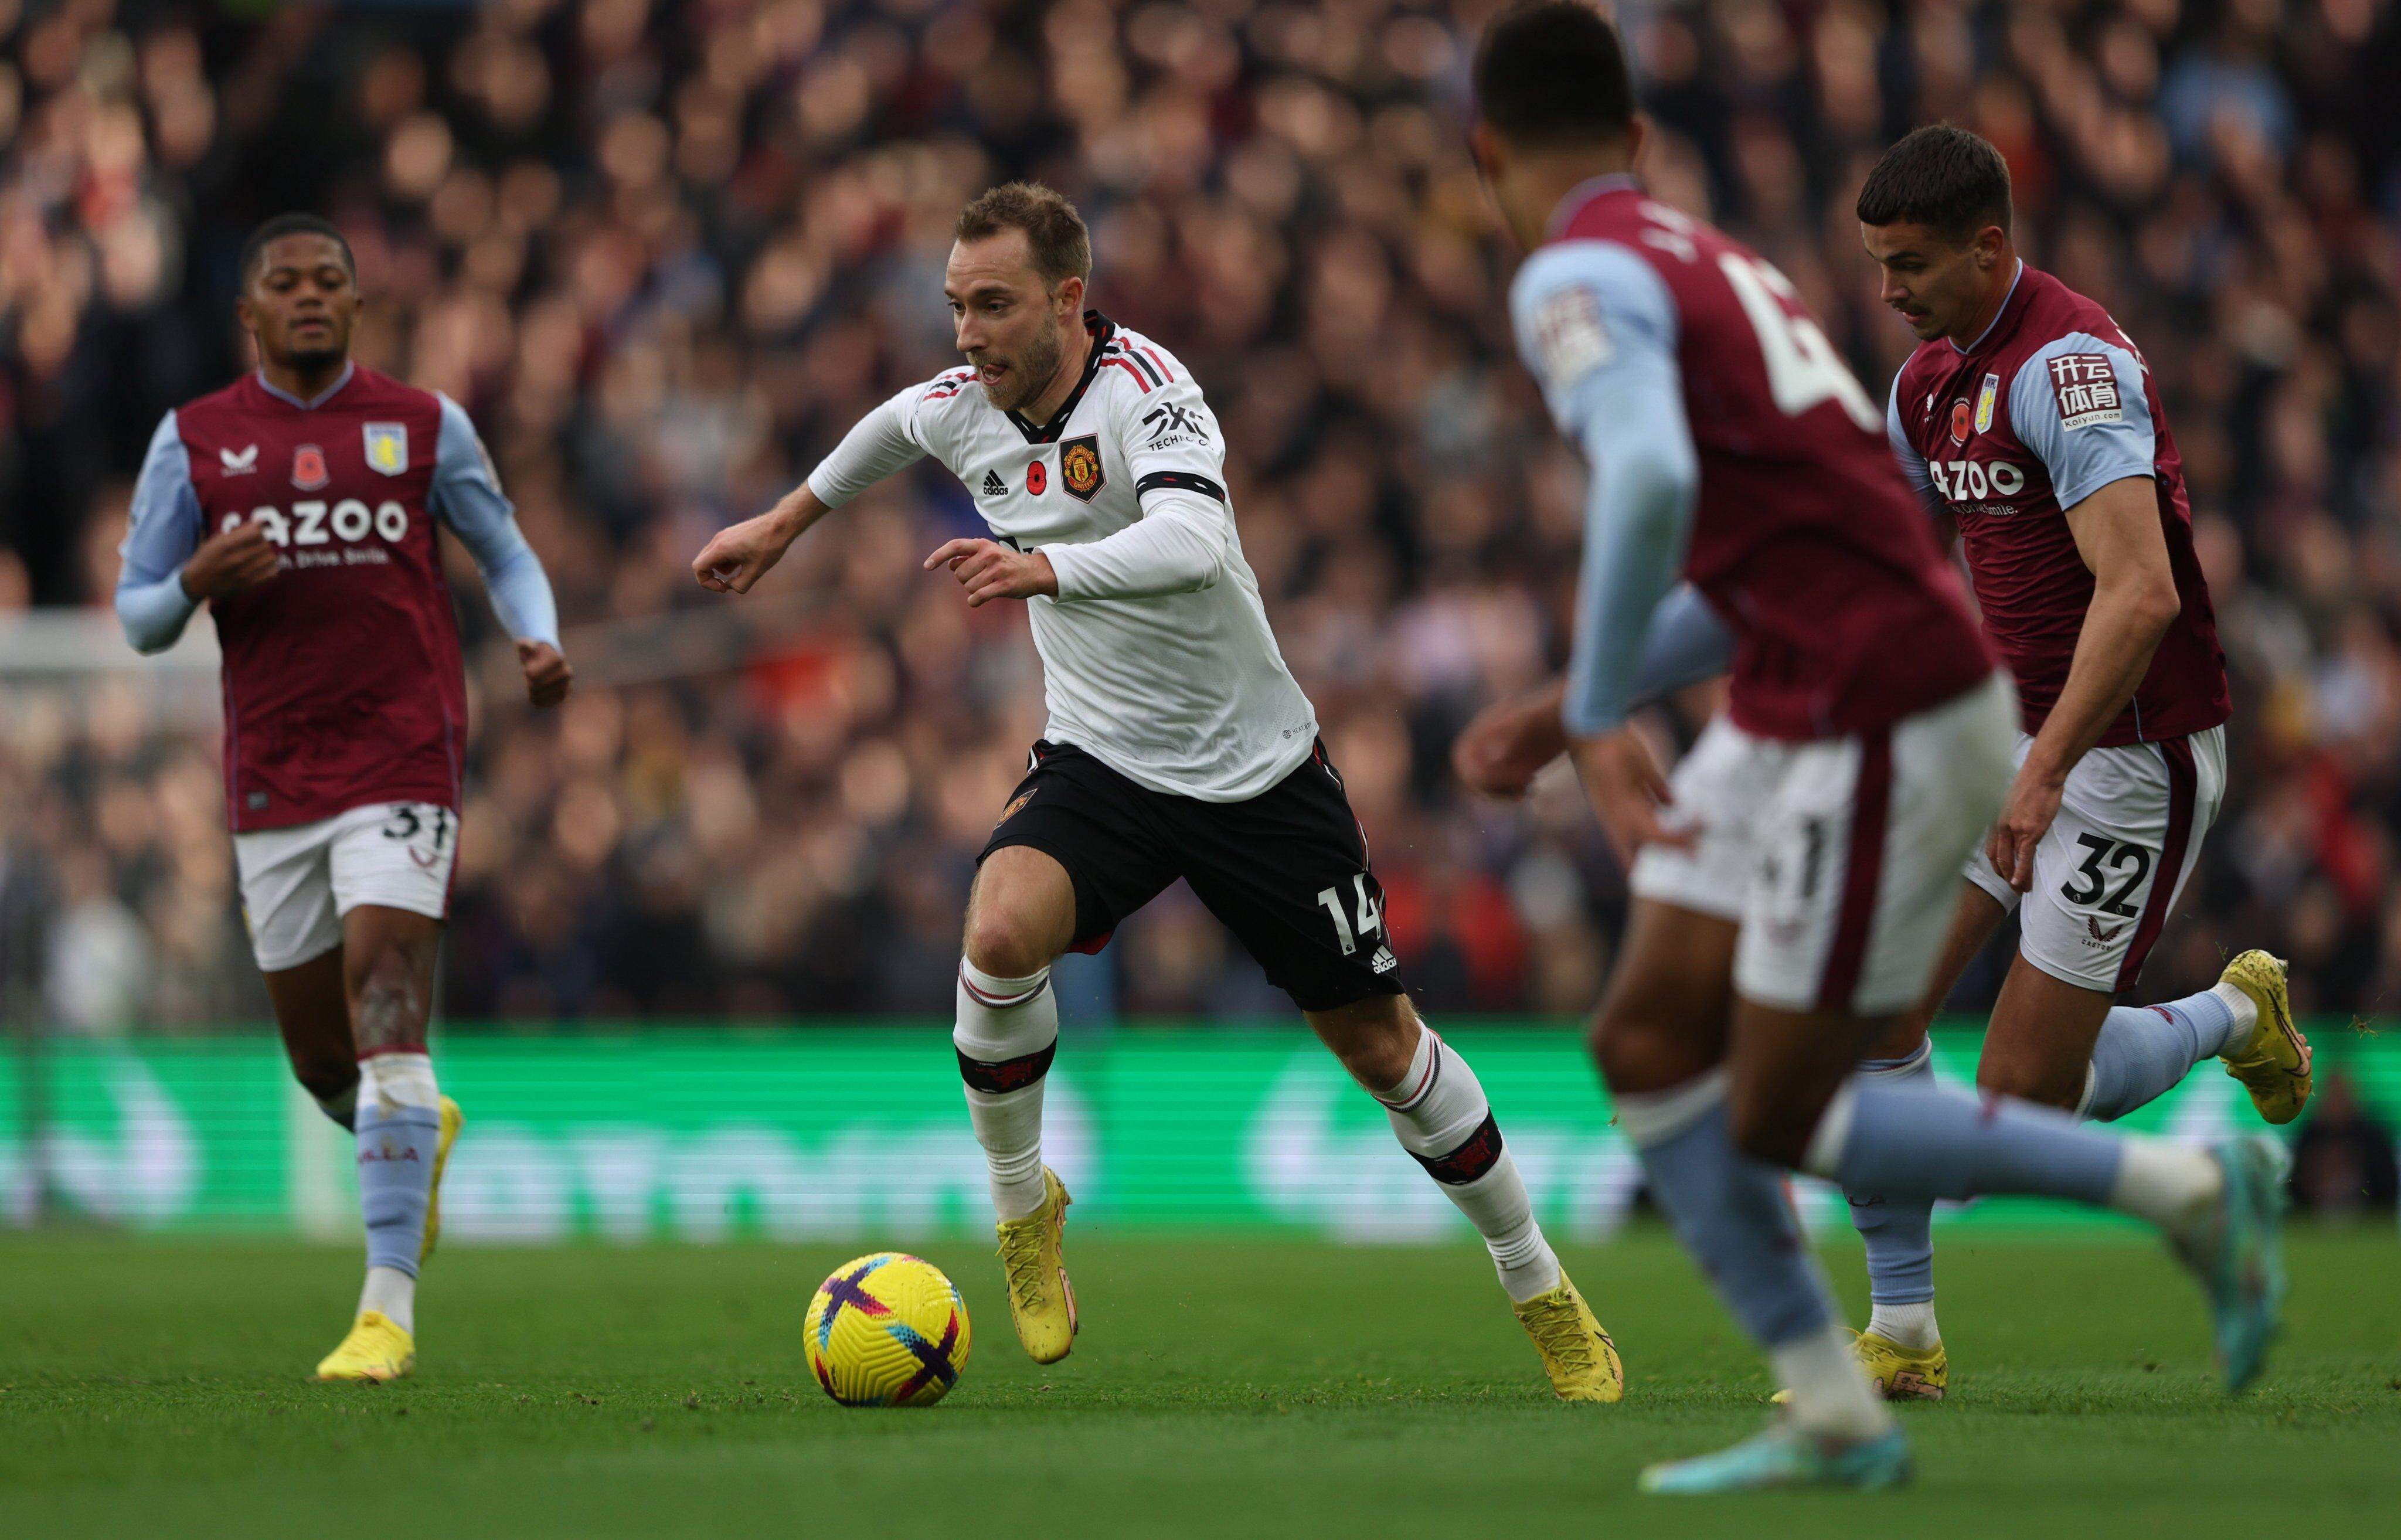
<point x="1577" y="1354"/>
<point x="1032" y="1256"/>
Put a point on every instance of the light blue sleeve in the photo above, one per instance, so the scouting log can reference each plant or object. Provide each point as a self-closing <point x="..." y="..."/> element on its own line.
<point x="467" y="497"/>
<point x="1904" y="453"/>
<point x="161" y="534"/>
<point x="2079" y="404"/>
<point x="1597" y="328"/>
<point x="1686" y="643"/>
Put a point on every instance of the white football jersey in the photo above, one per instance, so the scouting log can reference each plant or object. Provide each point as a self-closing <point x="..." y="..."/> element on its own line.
<point x="1156" y="658"/>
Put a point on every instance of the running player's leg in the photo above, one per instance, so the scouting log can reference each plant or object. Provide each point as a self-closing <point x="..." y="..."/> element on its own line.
<point x="1902" y="1346"/>
<point x="296" y="933"/>
<point x="389" y="866"/>
<point x="1287" y="872"/>
<point x="1075" y="852"/>
<point x="1021" y="917"/>
<point x="1660" y="1040"/>
<point x="313" y="1016"/>
<point x="1889" y="812"/>
<point x="2107" y="875"/>
<point x="1437" y="1109"/>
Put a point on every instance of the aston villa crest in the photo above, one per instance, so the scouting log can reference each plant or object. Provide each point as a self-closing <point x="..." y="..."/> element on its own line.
<point x="388" y="447"/>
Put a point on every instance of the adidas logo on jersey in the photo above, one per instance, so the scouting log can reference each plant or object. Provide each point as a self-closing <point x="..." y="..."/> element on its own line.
<point x="993" y="486"/>
<point x="1384" y="961"/>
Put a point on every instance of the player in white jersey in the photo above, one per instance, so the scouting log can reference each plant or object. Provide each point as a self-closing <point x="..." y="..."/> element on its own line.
<point x="1178" y="746"/>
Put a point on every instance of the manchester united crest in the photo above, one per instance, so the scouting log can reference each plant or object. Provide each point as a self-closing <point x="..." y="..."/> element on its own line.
<point x="1079" y="467"/>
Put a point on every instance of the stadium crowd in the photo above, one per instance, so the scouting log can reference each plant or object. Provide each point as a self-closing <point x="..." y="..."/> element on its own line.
<point x="665" y="254"/>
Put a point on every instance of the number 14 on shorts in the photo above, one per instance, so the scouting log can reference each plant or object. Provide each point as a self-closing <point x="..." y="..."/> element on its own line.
<point x="1369" y="921"/>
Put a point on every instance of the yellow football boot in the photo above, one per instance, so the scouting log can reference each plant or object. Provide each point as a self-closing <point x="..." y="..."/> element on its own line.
<point x="2275" y="1063"/>
<point x="376" y="1351"/>
<point x="1577" y="1354"/>
<point x="1899" y="1373"/>
<point x="1903" y="1373"/>
<point x="1041" y="1302"/>
<point x="452" y="1122"/>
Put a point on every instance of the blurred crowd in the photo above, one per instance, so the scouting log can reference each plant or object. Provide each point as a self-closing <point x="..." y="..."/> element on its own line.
<point x="665" y="254"/>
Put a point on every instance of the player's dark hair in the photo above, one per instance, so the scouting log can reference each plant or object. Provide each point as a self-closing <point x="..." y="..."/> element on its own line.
<point x="1551" y="73"/>
<point x="1062" y="246"/>
<point x="253" y="251"/>
<point x="1942" y="177"/>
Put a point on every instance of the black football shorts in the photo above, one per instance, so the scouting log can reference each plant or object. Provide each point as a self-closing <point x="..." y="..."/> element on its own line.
<point x="1286" y="871"/>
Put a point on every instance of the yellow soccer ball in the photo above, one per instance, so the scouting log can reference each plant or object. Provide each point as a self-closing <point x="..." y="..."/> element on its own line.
<point x="887" y="1330"/>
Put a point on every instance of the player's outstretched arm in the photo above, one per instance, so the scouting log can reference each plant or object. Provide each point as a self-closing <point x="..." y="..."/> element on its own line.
<point x="739" y="554"/>
<point x="1512" y="741"/>
<point x="168" y="569"/>
<point x="885" y="440"/>
<point x="467" y="496"/>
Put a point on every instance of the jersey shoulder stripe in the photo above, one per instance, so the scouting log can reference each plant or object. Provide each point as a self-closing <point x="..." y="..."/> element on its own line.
<point x="947" y="384"/>
<point x="1149" y="371"/>
<point x="1121" y="359"/>
<point x="1163" y="363"/>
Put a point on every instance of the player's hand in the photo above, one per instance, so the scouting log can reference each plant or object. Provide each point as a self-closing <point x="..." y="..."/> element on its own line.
<point x="230" y="562"/>
<point x="988" y="570"/>
<point x="1627" y="789"/>
<point x="547" y="674"/>
<point x="740" y="555"/>
<point x="1509" y="743"/>
<point x="2027" y="813"/>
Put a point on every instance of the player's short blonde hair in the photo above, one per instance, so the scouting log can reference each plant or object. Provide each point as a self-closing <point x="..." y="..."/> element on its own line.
<point x="1062" y="246"/>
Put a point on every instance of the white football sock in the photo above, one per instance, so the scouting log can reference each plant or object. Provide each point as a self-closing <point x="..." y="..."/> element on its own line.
<point x="392" y="1292"/>
<point x="1007" y="1030"/>
<point x="2168" y="1183"/>
<point x="2245" y="1011"/>
<point x="1831" y="1394"/>
<point x="1910" y="1326"/>
<point x="1440" y="1114"/>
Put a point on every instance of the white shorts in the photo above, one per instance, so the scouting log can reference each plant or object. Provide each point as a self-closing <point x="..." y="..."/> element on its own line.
<point x="298" y="883"/>
<point x="1839" y="858"/>
<point x="2128" y="817"/>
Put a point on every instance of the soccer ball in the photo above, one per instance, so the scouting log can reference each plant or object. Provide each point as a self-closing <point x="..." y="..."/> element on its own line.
<point x="887" y="1330"/>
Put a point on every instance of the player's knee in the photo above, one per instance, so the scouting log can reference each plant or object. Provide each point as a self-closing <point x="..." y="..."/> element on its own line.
<point x="1375" y="1039"/>
<point x="1636" y="1051"/>
<point x="391" y="990"/>
<point x="1004" y="945"/>
<point x="2031" y="1079"/>
<point x="325" y="1077"/>
<point x="1766" y="1126"/>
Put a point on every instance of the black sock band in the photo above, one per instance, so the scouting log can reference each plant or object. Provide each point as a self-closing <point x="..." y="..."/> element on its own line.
<point x="1478" y="1155"/>
<point x="1011" y="1074"/>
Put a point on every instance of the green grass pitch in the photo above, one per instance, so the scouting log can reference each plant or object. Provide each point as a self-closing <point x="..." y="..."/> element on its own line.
<point x="1223" y="1386"/>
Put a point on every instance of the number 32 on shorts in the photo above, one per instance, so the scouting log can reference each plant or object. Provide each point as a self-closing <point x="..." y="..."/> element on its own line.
<point x="2106" y="861"/>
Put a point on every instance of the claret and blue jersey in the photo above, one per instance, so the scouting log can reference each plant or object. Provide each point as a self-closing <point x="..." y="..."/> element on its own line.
<point x="343" y="683"/>
<point x="2049" y="405"/>
<point x="1728" y="441"/>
